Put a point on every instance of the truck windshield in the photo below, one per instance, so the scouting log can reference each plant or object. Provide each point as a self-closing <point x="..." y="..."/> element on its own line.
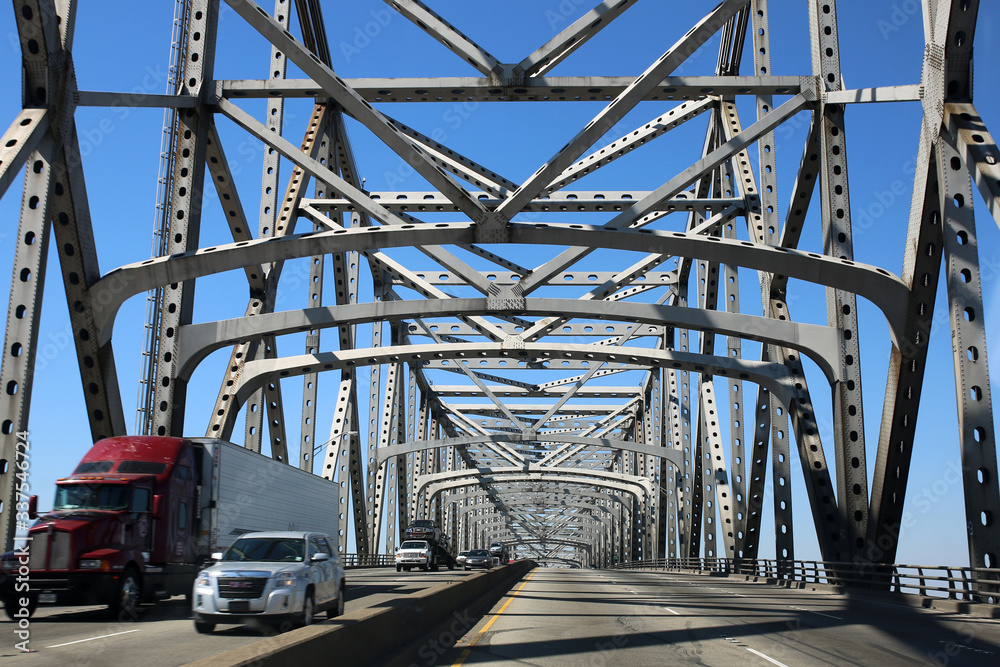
<point x="266" y="549"/>
<point x="413" y="545"/>
<point x="92" y="497"/>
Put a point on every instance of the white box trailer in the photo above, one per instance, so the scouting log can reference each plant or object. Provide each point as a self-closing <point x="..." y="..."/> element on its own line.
<point x="246" y="492"/>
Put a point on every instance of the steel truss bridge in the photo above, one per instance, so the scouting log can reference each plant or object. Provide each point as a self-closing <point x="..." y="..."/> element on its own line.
<point x="576" y="371"/>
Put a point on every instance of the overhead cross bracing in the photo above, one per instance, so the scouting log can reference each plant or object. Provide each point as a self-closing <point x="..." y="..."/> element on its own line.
<point x="506" y="285"/>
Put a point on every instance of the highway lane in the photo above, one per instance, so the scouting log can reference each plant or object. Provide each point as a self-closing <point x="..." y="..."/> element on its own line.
<point x="164" y="636"/>
<point x="578" y="618"/>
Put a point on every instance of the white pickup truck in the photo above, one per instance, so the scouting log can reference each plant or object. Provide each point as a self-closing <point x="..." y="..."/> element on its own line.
<point x="423" y="554"/>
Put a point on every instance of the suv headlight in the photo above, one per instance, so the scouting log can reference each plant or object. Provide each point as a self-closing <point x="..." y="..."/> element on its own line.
<point x="284" y="580"/>
<point x="203" y="579"/>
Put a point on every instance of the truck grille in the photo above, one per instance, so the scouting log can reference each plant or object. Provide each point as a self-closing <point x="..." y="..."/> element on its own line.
<point x="42" y="544"/>
<point x="245" y="588"/>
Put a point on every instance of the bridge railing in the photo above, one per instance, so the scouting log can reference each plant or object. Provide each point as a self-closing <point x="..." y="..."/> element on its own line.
<point x="956" y="583"/>
<point x="371" y="560"/>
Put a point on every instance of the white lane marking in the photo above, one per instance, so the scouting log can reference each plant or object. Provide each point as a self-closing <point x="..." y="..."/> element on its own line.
<point x="818" y="613"/>
<point x="675" y="613"/>
<point x="768" y="658"/>
<point x="80" y="641"/>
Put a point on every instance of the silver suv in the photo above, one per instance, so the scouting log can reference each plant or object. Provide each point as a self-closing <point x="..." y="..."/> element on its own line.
<point x="273" y="577"/>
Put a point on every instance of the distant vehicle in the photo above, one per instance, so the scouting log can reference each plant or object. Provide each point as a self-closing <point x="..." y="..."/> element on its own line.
<point x="423" y="529"/>
<point x="273" y="577"/>
<point x="499" y="551"/>
<point x="415" y="553"/>
<point x="140" y="515"/>
<point x="460" y="558"/>
<point x="478" y="558"/>
<point x="438" y="551"/>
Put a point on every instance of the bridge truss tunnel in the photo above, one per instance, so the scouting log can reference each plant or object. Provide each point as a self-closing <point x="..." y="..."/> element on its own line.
<point x="595" y="371"/>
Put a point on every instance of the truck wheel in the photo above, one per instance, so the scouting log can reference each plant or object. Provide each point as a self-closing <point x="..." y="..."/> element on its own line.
<point x="338" y="608"/>
<point x="11" y="606"/>
<point x="126" y="601"/>
<point x="451" y="565"/>
<point x="423" y="568"/>
<point x="203" y="628"/>
<point x="308" y="610"/>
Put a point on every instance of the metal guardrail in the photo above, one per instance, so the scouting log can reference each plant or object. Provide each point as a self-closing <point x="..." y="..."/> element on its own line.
<point x="373" y="560"/>
<point x="955" y="583"/>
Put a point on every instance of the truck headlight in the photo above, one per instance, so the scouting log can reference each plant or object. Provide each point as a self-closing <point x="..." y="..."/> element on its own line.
<point x="203" y="579"/>
<point x="90" y="563"/>
<point x="284" y="580"/>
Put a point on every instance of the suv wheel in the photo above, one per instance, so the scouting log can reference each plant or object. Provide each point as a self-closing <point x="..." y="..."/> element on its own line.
<point x="202" y="627"/>
<point x="338" y="608"/>
<point x="308" y="610"/>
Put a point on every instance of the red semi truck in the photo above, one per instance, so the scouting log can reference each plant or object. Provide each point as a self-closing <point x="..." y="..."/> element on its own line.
<point x="140" y="515"/>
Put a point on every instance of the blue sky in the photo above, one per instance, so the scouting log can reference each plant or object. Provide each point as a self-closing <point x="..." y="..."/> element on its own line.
<point x="881" y="44"/>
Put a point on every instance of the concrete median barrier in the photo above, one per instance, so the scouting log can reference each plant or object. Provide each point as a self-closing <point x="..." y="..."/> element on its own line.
<point x="421" y="622"/>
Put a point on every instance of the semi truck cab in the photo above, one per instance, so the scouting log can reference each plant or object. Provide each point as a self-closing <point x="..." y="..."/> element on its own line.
<point x="122" y="528"/>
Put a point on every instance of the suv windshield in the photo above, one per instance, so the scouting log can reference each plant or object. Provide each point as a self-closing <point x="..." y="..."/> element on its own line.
<point x="91" y="497"/>
<point x="266" y="549"/>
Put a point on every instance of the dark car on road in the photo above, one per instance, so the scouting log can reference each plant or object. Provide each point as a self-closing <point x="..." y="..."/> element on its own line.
<point x="478" y="558"/>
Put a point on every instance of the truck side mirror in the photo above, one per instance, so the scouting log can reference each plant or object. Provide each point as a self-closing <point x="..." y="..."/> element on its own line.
<point x="158" y="506"/>
<point x="33" y="507"/>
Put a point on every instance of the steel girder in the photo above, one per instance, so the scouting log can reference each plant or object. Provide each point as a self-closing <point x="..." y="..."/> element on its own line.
<point x="449" y="276"/>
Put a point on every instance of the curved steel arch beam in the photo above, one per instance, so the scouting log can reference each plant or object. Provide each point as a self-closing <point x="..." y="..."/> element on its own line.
<point x="819" y="343"/>
<point x="491" y="494"/>
<point x="513" y="508"/>
<point x="627" y="483"/>
<point x="674" y="456"/>
<point x="882" y="288"/>
<point x="256" y="373"/>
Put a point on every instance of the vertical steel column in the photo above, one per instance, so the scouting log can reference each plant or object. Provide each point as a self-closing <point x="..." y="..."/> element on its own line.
<point x="848" y="417"/>
<point x="680" y="518"/>
<point x="750" y="526"/>
<point x="716" y="465"/>
<point x="697" y="490"/>
<point x="662" y="482"/>
<point x="904" y="383"/>
<point x="255" y="405"/>
<point x="387" y="428"/>
<point x="340" y="451"/>
<point x="396" y="472"/>
<point x="310" y="381"/>
<point x="972" y="379"/>
<point x="21" y="335"/>
<point x="371" y="437"/>
<point x="186" y="201"/>
<point x="784" y="543"/>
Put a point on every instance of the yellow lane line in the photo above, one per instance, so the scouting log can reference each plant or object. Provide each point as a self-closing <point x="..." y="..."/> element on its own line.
<point x="475" y="640"/>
